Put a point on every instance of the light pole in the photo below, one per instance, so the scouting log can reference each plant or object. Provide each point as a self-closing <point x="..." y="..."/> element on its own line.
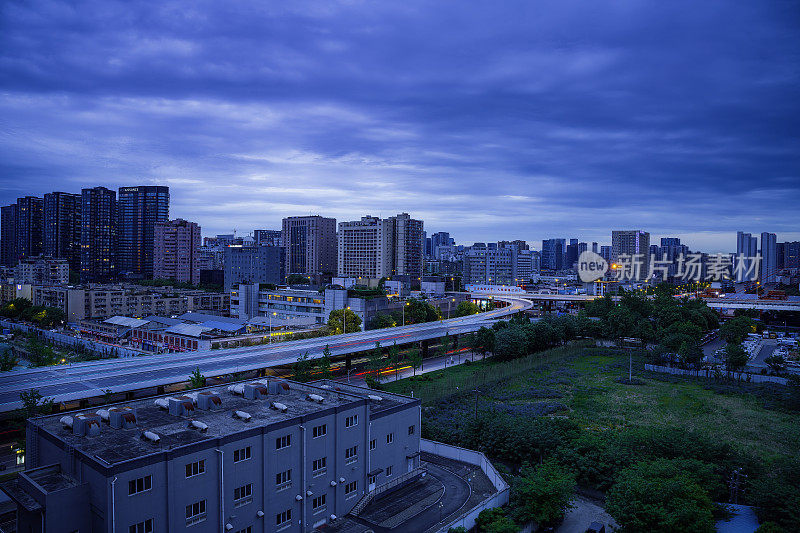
<point x="404" y="313"/>
<point x="270" y="326"/>
<point x="344" y="320"/>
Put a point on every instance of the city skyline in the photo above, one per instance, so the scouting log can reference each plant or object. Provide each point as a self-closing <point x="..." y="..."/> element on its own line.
<point x="521" y="121"/>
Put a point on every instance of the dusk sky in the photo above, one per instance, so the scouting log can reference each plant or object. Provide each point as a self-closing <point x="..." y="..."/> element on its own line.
<point x="491" y="120"/>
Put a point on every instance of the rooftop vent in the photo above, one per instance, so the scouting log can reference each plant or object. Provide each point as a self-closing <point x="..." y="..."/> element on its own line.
<point x="278" y="387"/>
<point x="122" y="417"/>
<point x="242" y="415"/>
<point x="150" y="436"/>
<point x="103" y="414"/>
<point x="66" y="422"/>
<point x="278" y="407"/>
<point x="255" y="391"/>
<point x="315" y="398"/>
<point x="209" y="400"/>
<point x="375" y="398"/>
<point x="236" y="389"/>
<point x="86" y="425"/>
<point x="181" y="406"/>
<point x="200" y="426"/>
<point x="163" y="403"/>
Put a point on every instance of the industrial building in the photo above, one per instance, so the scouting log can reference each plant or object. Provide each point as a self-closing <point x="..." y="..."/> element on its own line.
<point x="269" y="455"/>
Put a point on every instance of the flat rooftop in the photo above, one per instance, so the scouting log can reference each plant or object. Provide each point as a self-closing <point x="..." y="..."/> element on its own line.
<point x="113" y="446"/>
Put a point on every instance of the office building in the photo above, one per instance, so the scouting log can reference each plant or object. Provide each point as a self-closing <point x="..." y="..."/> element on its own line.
<point x="310" y="244"/>
<point x="98" y="234"/>
<point x="605" y="253"/>
<point x="176" y="251"/>
<point x="791" y="256"/>
<point x="29" y="227"/>
<point x="269" y="455"/>
<point x="374" y="248"/>
<point x="62" y="227"/>
<point x="139" y="210"/>
<point x="553" y="254"/>
<point x="746" y="248"/>
<point x="272" y="237"/>
<point x="636" y="245"/>
<point x="253" y="264"/>
<point x="8" y="239"/>
<point x="769" y="258"/>
<point x="42" y="270"/>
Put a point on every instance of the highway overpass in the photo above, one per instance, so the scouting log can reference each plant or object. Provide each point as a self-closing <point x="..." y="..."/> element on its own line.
<point x="78" y="381"/>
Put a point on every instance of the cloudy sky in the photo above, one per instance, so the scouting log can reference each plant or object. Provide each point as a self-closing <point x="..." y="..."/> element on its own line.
<point x="491" y="120"/>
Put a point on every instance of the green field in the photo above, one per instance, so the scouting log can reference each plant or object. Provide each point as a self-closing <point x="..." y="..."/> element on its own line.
<point x="586" y="384"/>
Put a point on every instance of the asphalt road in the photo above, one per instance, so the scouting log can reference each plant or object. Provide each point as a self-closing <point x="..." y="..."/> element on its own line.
<point x="91" y="379"/>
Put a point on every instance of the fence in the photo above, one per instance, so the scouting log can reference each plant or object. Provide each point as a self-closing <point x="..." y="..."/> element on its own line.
<point x="67" y="341"/>
<point x="709" y="373"/>
<point x="498" y="499"/>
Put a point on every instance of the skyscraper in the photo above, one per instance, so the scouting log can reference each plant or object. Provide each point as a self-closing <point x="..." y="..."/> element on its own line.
<point x="553" y="251"/>
<point x="632" y="243"/>
<point x="374" y="248"/>
<point x="139" y="209"/>
<point x="176" y="251"/>
<point x="98" y="234"/>
<point x="29" y="226"/>
<point x="769" y="258"/>
<point x="746" y="247"/>
<point x="310" y="244"/>
<point x="8" y="239"/>
<point x="62" y="227"/>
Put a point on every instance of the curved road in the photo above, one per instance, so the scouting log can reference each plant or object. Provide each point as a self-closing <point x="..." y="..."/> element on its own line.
<point x="90" y="379"/>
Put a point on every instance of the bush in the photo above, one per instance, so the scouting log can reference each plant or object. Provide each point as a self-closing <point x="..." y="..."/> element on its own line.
<point x="543" y="493"/>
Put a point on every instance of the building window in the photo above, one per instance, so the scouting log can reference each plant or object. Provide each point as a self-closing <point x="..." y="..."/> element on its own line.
<point x="373" y="444"/>
<point x="283" y="480"/>
<point x="319" y="467"/>
<point x="389" y="438"/>
<point x="351" y="455"/>
<point x="196" y="468"/>
<point x="411" y="430"/>
<point x="350" y="488"/>
<point x="195" y="513"/>
<point x="283" y="442"/>
<point x="135" y="486"/>
<point x="318" y="504"/>
<point x="243" y="495"/>
<point x="388" y="471"/>
<point x="248" y="529"/>
<point x="284" y="519"/>
<point x="241" y="454"/>
<point x="371" y="480"/>
<point x="142" y="527"/>
<point x="351" y="421"/>
<point x="319" y="431"/>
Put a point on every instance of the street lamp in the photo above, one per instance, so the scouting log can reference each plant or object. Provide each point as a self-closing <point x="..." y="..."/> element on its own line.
<point x="344" y="320"/>
<point x="270" y="326"/>
<point x="404" y="313"/>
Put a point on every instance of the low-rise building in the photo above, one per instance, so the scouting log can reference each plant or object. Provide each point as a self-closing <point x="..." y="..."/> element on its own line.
<point x="270" y="455"/>
<point x="42" y="270"/>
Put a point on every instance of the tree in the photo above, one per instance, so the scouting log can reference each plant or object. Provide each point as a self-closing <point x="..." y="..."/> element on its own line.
<point x="776" y="362"/>
<point x="8" y="360"/>
<point x="376" y="361"/>
<point x="466" y="308"/>
<point x="351" y="320"/>
<point x="510" y="343"/>
<point x="736" y="329"/>
<point x="395" y="359"/>
<point x="543" y="493"/>
<point x="415" y="358"/>
<point x="196" y="379"/>
<point x="302" y="369"/>
<point x="297" y="279"/>
<point x="382" y="320"/>
<point x="34" y="404"/>
<point x="660" y="496"/>
<point x="485" y="341"/>
<point x="735" y="357"/>
<point x="324" y="363"/>
<point x="691" y="354"/>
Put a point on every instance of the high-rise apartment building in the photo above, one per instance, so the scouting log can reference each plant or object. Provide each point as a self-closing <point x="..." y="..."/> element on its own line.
<point x="98" y="234"/>
<point x="791" y="256"/>
<point x="176" y="251"/>
<point x="253" y="264"/>
<point x="62" y="227"/>
<point x="769" y="258"/>
<point x="8" y="239"/>
<point x="634" y="243"/>
<point x="374" y="248"/>
<point x="139" y="210"/>
<point x="310" y="244"/>
<point x="746" y="247"/>
<point x="29" y="226"/>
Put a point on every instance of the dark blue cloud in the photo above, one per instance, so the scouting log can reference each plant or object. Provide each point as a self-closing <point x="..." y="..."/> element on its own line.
<point x="491" y="120"/>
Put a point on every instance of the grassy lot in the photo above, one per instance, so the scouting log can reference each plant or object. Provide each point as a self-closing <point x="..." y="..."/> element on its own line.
<point x="587" y="384"/>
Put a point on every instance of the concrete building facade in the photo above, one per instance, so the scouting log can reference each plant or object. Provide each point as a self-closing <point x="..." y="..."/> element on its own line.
<point x="98" y="234"/>
<point x="310" y="244"/>
<point x="42" y="271"/>
<point x="62" y="227"/>
<point x="375" y="248"/>
<point x="265" y="456"/>
<point x="632" y="243"/>
<point x="253" y="264"/>
<point x="139" y="210"/>
<point x="176" y="251"/>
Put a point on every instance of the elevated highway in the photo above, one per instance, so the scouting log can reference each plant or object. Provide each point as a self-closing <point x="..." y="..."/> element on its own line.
<point x="78" y="381"/>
